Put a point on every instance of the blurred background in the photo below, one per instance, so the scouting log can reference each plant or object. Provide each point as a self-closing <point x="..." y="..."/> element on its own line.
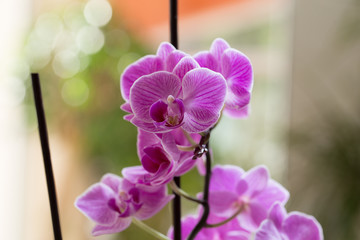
<point x="305" y="108"/>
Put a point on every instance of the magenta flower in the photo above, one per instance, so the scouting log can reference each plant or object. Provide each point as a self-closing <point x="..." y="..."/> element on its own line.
<point x="114" y="200"/>
<point x="170" y="90"/>
<point x="236" y="69"/>
<point x="162" y="101"/>
<point x="229" y="231"/>
<point x="293" y="226"/>
<point x="231" y="189"/>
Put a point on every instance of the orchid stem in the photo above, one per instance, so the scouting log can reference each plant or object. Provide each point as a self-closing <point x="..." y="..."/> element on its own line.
<point x="182" y="193"/>
<point x="149" y="230"/>
<point x="241" y="208"/>
<point x="205" y="204"/>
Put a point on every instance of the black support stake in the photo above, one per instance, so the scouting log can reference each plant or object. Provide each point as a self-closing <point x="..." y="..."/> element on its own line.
<point x="46" y="155"/>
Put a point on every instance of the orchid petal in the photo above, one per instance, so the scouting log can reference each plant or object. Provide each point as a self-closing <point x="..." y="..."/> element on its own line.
<point x="225" y="177"/>
<point x="237" y="69"/>
<point x="185" y="65"/>
<point x="152" y="203"/>
<point x="112" y="180"/>
<point x="257" y="179"/>
<point x="94" y="204"/>
<point x="277" y="214"/>
<point x="207" y="60"/>
<point x="173" y="59"/>
<point x="203" y="94"/>
<point x="151" y="88"/>
<point x="273" y="192"/>
<point x="217" y="48"/>
<point x="142" y="67"/>
<point x="299" y="226"/>
<point x="164" y="50"/>
<point x="267" y="231"/>
<point x="120" y="225"/>
<point x="222" y="203"/>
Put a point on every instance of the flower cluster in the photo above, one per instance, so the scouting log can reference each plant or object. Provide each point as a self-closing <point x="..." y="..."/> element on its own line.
<point x="175" y="100"/>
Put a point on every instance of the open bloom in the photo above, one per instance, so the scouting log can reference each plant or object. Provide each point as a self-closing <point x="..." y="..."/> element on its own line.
<point x="253" y="192"/>
<point x="293" y="226"/>
<point x="114" y="200"/>
<point x="162" y="101"/>
<point x="170" y="90"/>
<point x="237" y="70"/>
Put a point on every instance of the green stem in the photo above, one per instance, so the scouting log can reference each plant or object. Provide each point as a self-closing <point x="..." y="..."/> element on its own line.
<point x="241" y="208"/>
<point x="182" y="193"/>
<point x="149" y="230"/>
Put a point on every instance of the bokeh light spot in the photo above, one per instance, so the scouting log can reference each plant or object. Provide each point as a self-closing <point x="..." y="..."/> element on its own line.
<point x="75" y="92"/>
<point x="66" y="64"/>
<point x="98" y="12"/>
<point x="90" y="39"/>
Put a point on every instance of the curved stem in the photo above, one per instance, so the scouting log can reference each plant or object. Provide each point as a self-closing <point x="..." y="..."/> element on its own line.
<point x="205" y="203"/>
<point x="187" y="148"/>
<point x="189" y="138"/>
<point x="149" y="230"/>
<point x="182" y="193"/>
<point x="241" y="208"/>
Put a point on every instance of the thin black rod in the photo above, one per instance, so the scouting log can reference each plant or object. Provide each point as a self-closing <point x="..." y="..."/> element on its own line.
<point x="173" y="23"/>
<point x="206" y="208"/>
<point x="46" y="155"/>
<point x="177" y="199"/>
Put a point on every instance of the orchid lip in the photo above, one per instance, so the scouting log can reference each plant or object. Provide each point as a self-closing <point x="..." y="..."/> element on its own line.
<point x="168" y="114"/>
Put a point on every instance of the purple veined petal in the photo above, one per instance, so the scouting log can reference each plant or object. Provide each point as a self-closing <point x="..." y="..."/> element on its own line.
<point x="273" y="192"/>
<point x="299" y="226"/>
<point x="142" y="67"/>
<point x="134" y="174"/>
<point x="149" y="89"/>
<point x="268" y="231"/>
<point x="225" y="177"/>
<point x="185" y="164"/>
<point x="237" y="69"/>
<point x="203" y="94"/>
<point x="207" y="60"/>
<point x="94" y="204"/>
<point x="222" y="203"/>
<point x="128" y="117"/>
<point x="218" y="47"/>
<point x="252" y="216"/>
<point x="152" y="202"/>
<point x="126" y="107"/>
<point x="169" y="144"/>
<point x="173" y="59"/>
<point x="236" y="112"/>
<point x="113" y="181"/>
<point x="236" y="102"/>
<point x="164" y="50"/>
<point x="149" y="126"/>
<point x="257" y="179"/>
<point x="163" y="175"/>
<point x="277" y="214"/>
<point x="185" y="65"/>
<point x="120" y="225"/>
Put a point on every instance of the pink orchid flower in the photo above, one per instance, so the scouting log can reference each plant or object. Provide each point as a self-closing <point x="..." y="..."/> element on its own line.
<point x="114" y="200"/>
<point x="293" y="226"/>
<point x="236" y="69"/>
<point x="231" y="189"/>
